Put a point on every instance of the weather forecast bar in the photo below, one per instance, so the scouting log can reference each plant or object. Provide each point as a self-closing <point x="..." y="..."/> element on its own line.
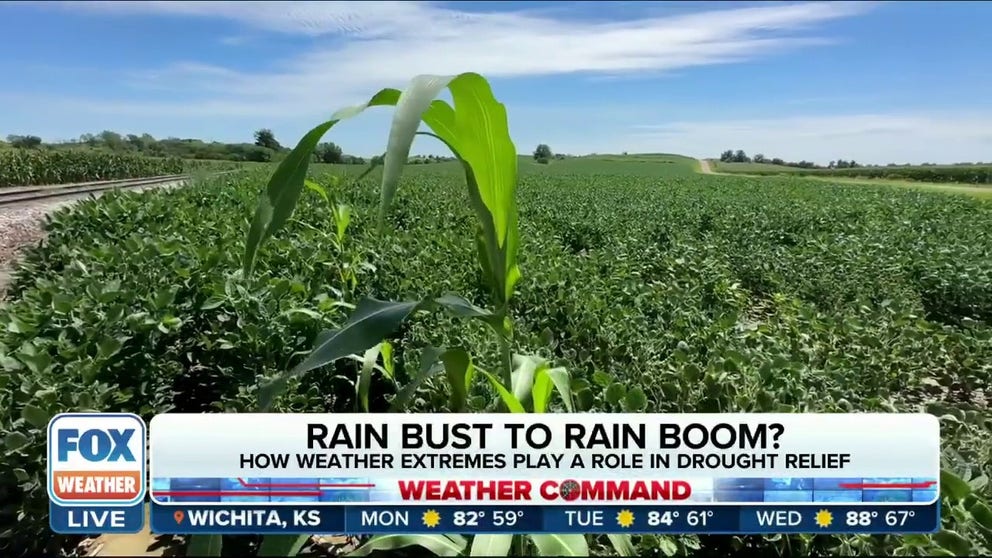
<point x="756" y="519"/>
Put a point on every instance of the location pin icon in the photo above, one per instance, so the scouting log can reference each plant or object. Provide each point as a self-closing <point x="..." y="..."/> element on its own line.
<point x="179" y="515"/>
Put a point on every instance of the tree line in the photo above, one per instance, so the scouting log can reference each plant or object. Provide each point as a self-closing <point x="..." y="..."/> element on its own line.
<point x="265" y="148"/>
<point x="739" y="156"/>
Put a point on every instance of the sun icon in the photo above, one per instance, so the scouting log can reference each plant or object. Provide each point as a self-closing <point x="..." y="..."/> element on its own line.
<point x="625" y="518"/>
<point x="824" y="518"/>
<point x="431" y="518"/>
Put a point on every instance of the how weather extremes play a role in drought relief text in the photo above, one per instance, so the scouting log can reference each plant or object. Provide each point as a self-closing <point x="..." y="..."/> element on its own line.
<point x="476" y="436"/>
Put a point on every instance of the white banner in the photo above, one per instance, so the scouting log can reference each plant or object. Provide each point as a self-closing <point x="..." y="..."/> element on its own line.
<point x="518" y="446"/>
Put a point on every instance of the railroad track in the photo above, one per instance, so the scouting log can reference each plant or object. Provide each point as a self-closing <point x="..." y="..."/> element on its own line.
<point x="12" y="195"/>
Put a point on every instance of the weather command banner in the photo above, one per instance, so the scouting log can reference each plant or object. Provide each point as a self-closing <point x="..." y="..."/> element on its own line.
<point x="497" y="473"/>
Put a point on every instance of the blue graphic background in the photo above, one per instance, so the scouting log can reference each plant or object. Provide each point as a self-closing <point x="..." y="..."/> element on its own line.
<point x="772" y="490"/>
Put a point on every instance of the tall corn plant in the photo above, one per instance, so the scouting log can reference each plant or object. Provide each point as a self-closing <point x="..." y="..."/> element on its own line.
<point x="475" y="129"/>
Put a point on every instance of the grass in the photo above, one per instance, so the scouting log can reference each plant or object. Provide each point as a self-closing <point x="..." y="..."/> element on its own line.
<point x="751" y="168"/>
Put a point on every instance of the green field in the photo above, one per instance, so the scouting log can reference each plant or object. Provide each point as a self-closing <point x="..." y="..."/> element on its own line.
<point x="977" y="175"/>
<point x="658" y="288"/>
<point x="752" y="168"/>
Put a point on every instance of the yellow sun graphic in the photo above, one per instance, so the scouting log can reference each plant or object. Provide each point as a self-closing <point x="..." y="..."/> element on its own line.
<point x="625" y="518"/>
<point x="431" y="518"/>
<point x="824" y="518"/>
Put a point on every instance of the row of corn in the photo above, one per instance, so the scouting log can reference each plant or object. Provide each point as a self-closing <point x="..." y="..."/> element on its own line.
<point x="26" y="167"/>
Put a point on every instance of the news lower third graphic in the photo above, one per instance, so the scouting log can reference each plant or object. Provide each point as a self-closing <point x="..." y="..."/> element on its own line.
<point x="500" y="473"/>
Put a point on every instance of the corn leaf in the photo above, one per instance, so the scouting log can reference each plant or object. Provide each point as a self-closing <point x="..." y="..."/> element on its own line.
<point x="280" y="545"/>
<point x="205" y="545"/>
<point x="622" y="544"/>
<point x="429" y="366"/>
<point x="459" y="370"/>
<point x="368" y="325"/>
<point x="522" y="376"/>
<point x="410" y="107"/>
<point x="562" y="381"/>
<point x="491" y="545"/>
<point x="484" y="142"/>
<point x="439" y="545"/>
<point x="477" y="133"/>
<point x="541" y="394"/>
<point x="561" y="545"/>
<point x="509" y="400"/>
<point x="365" y="377"/>
<point x="320" y="190"/>
<point x="282" y="193"/>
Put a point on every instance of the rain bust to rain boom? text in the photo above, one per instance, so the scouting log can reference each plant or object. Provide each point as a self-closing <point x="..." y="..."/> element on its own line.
<point x="605" y="446"/>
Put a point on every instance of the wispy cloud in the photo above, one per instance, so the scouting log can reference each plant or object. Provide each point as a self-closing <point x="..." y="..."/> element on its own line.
<point x="872" y="138"/>
<point x="233" y="40"/>
<point x="356" y="47"/>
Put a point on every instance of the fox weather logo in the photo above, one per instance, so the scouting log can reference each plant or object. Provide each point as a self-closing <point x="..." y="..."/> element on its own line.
<point x="96" y="458"/>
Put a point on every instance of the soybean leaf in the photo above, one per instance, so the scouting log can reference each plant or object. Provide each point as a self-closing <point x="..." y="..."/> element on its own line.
<point x="561" y="545"/>
<point x="635" y="400"/>
<point x="953" y="541"/>
<point x="369" y="324"/>
<point x="953" y="486"/>
<point x="622" y="544"/>
<point x="35" y="416"/>
<point x="982" y="515"/>
<point x="509" y="400"/>
<point x="281" y="545"/>
<point x="410" y="107"/>
<point x="615" y="392"/>
<point x="491" y="545"/>
<point x="440" y="545"/>
<point x="15" y="440"/>
<point x="204" y="545"/>
<point x="282" y="193"/>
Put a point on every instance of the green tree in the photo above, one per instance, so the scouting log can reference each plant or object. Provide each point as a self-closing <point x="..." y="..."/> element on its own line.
<point x="265" y="138"/>
<point x="543" y="153"/>
<point x="111" y="140"/>
<point x="24" y="142"/>
<point x="329" y="153"/>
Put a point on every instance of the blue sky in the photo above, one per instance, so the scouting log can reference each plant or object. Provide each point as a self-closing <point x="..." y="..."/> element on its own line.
<point x="877" y="82"/>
